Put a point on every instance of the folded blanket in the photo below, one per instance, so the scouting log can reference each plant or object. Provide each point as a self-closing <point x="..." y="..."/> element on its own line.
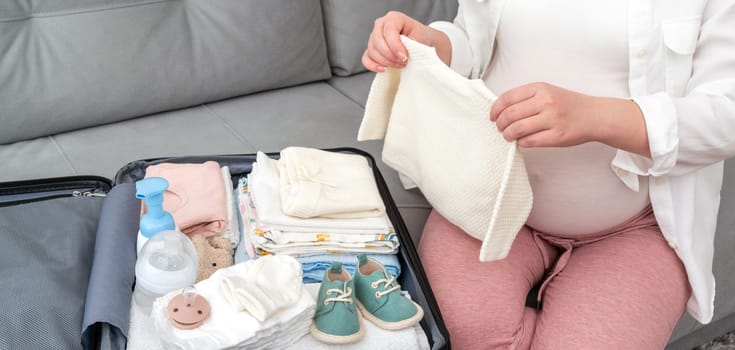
<point x="297" y="243"/>
<point x="232" y="231"/>
<point x="327" y="184"/>
<point x="314" y="266"/>
<point x="264" y="186"/>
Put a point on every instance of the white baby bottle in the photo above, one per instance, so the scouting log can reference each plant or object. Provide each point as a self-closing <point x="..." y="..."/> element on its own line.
<point x="168" y="261"/>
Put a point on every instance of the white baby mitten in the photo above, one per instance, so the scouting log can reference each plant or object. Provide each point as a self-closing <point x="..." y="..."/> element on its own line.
<point x="262" y="286"/>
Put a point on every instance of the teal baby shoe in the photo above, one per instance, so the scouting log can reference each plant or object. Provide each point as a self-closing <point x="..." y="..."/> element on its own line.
<point x="380" y="299"/>
<point x="337" y="320"/>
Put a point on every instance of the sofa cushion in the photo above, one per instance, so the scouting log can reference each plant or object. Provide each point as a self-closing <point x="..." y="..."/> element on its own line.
<point x="355" y="87"/>
<point x="32" y="159"/>
<point x="348" y="24"/>
<point x="104" y="149"/>
<point x="78" y="63"/>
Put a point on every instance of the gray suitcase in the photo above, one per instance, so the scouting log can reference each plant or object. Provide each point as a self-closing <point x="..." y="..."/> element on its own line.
<point x="67" y="262"/>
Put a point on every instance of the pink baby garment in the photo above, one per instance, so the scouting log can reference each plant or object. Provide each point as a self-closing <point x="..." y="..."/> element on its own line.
<point x="195" y="196"/>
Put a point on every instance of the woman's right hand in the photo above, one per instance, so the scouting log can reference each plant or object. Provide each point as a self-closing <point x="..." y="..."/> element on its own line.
<point x="385" y="49"/>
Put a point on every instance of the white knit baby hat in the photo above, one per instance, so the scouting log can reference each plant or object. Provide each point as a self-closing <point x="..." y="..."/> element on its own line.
<point x="437" y="133"/>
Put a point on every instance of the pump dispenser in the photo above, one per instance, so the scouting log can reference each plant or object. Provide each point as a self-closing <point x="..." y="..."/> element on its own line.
<point x="156" y="219"/>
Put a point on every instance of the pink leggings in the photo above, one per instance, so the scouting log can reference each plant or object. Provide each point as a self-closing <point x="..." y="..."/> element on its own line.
<point x="624" y="288"/>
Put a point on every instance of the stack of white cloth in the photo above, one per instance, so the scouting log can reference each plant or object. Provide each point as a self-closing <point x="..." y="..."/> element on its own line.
<point x="258" y="304"/>
<point x="232" y="230"/>
<point x="268" y="229"/>
<point x="327" y="184"/>
<point x="143" y="336"/>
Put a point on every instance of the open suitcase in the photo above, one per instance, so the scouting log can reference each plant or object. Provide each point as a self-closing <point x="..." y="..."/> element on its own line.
<point x="68" y="254"/>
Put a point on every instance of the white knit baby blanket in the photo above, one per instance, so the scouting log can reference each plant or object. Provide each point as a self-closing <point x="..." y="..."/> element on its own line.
<point x="437" y="133"/>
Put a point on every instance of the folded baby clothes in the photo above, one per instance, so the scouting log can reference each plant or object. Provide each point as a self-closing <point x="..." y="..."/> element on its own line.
<point x="299" y="241"/>
<point x="228" y="326"/>
<point x="273" y="239"/>
<point x="195" y="196"/>
<point x="265" y="192"/>
<point x="435" y="121"/>
<point x="232" y="230"/>
<point x="245" y="248"/>
<point x="327" y="184"/>
<point x="314" y="266"/>
<point x="263" y="286"/>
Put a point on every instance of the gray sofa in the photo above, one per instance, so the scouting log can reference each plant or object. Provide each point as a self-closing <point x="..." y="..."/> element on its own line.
<point x="87" y="86"/>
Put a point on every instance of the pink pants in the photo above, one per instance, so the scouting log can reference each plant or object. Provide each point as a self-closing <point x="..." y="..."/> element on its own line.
<point x="624" y="288"/>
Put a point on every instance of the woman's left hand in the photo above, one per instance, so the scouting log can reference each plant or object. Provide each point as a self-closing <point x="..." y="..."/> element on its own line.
<point x="544" y="115"/>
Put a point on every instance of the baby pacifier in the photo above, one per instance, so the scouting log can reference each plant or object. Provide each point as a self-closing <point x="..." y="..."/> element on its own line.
<point x="188" y="310"/>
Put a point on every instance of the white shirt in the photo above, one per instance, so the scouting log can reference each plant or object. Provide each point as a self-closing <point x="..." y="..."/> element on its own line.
<point x="574" y="189"/>
<point x="688" y="103"/>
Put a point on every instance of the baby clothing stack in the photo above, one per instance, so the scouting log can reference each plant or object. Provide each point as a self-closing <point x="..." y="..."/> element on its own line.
<point x="259" y="304"/>
<point x="317" y="206"/>
<point x="143" y="336"/>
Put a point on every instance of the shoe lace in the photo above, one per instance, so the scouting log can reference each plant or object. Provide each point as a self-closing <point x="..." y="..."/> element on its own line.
<point x="342" y="295"/>
<point x="386" y="290"/>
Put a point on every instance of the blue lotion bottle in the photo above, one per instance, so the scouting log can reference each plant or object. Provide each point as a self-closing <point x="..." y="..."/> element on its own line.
<point x="155" y="219"/>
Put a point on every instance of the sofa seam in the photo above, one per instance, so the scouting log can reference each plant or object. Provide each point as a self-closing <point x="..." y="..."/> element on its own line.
<point x="344" y="94"/>
<point x="52" y="139"/>
<point x="79" y="11"/>
<point x="229" y="127"/>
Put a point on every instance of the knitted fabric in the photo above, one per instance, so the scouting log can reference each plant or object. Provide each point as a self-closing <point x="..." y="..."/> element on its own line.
<point x="437" y="133"/>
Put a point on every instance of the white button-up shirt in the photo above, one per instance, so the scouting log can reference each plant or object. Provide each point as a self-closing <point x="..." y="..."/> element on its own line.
<point x="682" y="76"/>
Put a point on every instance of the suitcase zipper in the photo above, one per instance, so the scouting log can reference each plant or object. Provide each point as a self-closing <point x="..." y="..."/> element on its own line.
<point x="88" y="194"/>
<point x="20" y="192"/>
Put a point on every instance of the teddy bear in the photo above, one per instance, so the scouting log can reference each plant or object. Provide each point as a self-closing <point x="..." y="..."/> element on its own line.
<point x="214" y="253"/>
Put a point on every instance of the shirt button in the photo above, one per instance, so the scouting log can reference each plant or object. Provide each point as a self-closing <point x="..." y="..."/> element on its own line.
<point x="641" y="53"/>
<point x="622" y="172"/>
<point x="660" y="181"/>
<point x="673" y="245"/>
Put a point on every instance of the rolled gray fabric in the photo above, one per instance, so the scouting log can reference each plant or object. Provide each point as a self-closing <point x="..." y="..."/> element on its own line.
<point x="110" y="290"/>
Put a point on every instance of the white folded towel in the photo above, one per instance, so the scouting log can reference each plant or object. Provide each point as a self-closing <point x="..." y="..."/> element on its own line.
<point x="264" y="187"/>
<point x="327" y="184"/>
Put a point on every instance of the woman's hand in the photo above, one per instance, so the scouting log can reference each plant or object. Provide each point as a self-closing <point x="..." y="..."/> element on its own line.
<point x="544" y="115"/>
<point x="385" y="49"/>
